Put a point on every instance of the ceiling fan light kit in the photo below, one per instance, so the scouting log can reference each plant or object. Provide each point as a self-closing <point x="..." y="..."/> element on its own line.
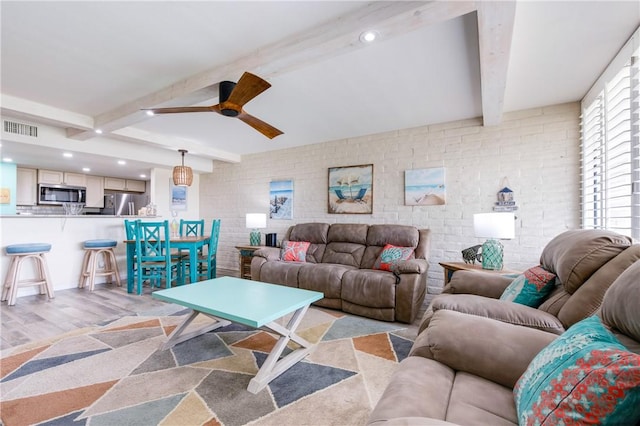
<point x="232" y="97"/>
<point x="182" y="175"/>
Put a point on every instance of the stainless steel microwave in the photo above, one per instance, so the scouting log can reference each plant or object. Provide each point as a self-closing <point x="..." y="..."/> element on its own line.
<point x="58" y="194"/>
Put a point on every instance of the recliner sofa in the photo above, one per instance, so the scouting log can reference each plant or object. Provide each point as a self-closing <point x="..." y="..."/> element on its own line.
<point x="340" y="263"/>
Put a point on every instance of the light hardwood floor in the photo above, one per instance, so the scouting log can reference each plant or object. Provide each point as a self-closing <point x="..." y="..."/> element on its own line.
<point x="35" y="318"/>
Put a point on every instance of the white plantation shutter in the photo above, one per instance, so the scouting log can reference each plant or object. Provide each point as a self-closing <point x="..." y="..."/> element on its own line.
<point x="610" y="195"/>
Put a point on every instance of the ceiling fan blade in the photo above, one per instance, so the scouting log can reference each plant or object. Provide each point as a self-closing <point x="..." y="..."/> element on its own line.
<point x="266" y="129"/>
<point x="248" y="87"/>
<point x="173" y="110"/>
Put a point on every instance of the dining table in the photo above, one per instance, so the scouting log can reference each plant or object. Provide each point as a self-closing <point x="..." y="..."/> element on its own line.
<point x="191" y="244"/>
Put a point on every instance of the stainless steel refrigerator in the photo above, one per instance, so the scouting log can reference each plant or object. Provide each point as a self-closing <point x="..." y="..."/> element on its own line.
<point x="123" y="203"/>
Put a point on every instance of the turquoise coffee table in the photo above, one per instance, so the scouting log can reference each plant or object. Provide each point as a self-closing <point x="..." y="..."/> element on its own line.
<point x="251" y="303"/>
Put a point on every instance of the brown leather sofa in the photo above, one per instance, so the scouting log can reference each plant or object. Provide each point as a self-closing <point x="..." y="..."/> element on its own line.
<point x="468" y="365"/>
<point x="339" y="263"/>
<point x="586" y="263"/>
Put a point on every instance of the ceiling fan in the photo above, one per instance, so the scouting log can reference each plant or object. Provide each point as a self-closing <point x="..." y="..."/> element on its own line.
<point x="232" y="98"/>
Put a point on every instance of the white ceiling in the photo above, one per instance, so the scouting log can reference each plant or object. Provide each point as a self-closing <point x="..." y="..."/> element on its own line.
<point x="79" y="66"/>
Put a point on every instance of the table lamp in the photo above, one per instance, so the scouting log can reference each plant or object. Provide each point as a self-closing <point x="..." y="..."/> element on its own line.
<point x="256" y="221"/>
<point x="493" y="226"/>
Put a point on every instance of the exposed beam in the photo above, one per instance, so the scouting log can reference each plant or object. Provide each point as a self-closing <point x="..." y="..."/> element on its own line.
<point x="29" y="110"/>
<point x="495" y="31"/>
<point x="328" y="40"/>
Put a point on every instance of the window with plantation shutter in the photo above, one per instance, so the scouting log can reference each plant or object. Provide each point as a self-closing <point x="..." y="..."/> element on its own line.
<point x="610" y="122"/>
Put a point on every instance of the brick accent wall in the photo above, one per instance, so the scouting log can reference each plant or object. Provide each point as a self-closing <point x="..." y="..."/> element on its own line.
<point x="537" y="150"/>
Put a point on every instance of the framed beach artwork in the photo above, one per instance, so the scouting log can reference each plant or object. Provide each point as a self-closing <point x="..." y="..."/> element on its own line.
<point x="281" y="199"/>
<point x="351" y="189"/>
<point x="424" y="187"/>
<point x="178" y="197"/>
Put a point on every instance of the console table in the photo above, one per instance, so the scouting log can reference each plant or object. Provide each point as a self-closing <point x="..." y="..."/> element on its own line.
<point x="451" y="267"/>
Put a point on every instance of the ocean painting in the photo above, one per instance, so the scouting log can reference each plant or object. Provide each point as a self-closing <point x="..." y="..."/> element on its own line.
<point x="424" y="187"/>
<point x="281" y="199"/>
<point x="351" y="189"/>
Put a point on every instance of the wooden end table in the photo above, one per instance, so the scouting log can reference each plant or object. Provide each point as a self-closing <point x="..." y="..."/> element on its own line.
<point x="246" y="253"/>
<point x="451" y="267"/>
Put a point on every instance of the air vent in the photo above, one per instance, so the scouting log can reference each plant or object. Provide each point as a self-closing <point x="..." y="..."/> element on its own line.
<point x="20" y="129"/>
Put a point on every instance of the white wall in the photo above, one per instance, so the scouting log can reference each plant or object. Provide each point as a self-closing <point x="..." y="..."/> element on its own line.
<point x="537" y="150"/>
<point x="161" y="182"/>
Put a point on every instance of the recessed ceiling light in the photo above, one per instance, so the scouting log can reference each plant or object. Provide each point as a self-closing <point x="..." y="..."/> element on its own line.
<point x="86" y="169"/>
<point x="149" y="112"/>
<point x="7" y="159"/>
<point x="122" y="162"/>
<point x="143" y="176"/>
<point x="67" y="154"/>
<point x="368" y="36"/>
<point x="99" y="131"/>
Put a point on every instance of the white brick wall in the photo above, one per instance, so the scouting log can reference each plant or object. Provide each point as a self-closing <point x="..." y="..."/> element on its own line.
<point x="537" y="150"/>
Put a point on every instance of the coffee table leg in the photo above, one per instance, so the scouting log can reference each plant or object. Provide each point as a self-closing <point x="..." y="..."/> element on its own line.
<point x="177" y="336"/>
<point x="274" y="366"/>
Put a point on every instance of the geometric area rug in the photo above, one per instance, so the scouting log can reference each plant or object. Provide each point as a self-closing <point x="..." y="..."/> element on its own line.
<point x="115" y="374"/>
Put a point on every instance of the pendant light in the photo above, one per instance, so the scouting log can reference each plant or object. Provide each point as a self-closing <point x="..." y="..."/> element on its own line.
<point x="182" y="175"/>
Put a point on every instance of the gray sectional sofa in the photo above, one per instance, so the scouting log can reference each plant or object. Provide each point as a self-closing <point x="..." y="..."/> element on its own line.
<point x="339" y="263"/>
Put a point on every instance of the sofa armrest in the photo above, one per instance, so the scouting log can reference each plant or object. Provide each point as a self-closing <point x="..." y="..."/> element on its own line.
<point x="491" y="349"/>
<point x="477" y="282"/>
<point x="411" y="266"/>
<point x="269" y="253"/>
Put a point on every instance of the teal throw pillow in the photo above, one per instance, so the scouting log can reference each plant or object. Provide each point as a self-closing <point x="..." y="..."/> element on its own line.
<point x="530" y="288"/>
<point x="585" y="376"/>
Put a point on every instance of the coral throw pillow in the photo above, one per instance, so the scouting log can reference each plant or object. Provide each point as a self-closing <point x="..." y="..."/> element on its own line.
<point x="295" y="251"/>
<point x="530" y="288"/>
<point x="391" y="255"/>
<point x="585" y="376"/>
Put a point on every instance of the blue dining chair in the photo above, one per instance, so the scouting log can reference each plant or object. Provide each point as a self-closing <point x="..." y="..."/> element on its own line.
<point x="191" y="227"/>
<point x="207" y="262"/>
<point x="153" y="256"/>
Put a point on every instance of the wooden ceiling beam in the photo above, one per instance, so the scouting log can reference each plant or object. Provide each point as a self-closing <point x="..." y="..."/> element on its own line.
<point x="495" y="31"/>
<point x="333" y="38"/>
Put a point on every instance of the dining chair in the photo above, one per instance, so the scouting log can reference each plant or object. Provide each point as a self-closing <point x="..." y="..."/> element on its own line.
<point x="207" y="262"/>
<point x="153" y="256"/>
<point x="191" y="227"/>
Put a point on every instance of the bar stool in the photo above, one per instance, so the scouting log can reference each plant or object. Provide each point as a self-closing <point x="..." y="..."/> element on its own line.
<point x="90" y="270"/>
<point x="20" y="253"/>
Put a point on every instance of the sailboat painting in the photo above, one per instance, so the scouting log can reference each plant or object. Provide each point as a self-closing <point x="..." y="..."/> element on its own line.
<point x="281" y="199"/>
<point x="424" y="187"/>
<point x="351" y="189"/>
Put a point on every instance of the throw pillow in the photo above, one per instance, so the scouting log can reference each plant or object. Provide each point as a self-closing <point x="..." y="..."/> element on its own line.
<point x="530" y="288"/>
<point x="585" y="376"/>
<point x="391" y="255"/>
<point x="294" y="251"/>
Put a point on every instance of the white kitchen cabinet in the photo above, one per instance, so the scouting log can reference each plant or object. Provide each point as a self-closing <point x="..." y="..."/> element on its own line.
<point x="61" y="178"/>
<point x="125" y="184"/>
<point x="95" y="191"/>
<point x="26" y="187"/>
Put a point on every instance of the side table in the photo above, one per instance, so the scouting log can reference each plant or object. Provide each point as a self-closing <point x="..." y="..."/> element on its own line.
<point x="246" y="253"/>
<point x="451" y="267"/>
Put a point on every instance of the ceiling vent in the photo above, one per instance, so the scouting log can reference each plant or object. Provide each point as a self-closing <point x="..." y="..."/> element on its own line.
<point x="20" y="129"/>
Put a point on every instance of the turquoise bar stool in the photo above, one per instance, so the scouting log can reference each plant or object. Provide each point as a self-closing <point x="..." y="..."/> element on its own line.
<point x="94" y="249"/>
<point x="20" y="253"/>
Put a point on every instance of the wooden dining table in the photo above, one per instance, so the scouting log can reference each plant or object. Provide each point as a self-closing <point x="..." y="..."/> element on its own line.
<point x="191" y="244"/>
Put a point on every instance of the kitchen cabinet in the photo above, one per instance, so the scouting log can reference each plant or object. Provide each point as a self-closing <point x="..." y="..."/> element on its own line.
<point x="26" y="187"/>
<point x="125" y="184"/>
<point x="61" y="178"/>
<point x="95" y="191"/>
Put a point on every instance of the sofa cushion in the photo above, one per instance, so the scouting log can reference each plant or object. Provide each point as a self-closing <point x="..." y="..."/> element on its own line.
<point x="620" y="309"/>
<point x="294" y="251"/>
<point x="530" y="288"/>
<point x="323" y="277"/>
<point x="397" y="235"/>
<point x="391" y="255"/>
<point x="366" y="287"/>
<point x="315" y="233"/>
<point x="575" y="255"/>
<point x="586" y="375"/>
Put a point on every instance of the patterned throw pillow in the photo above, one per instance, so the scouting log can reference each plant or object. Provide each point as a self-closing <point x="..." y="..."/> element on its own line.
<point x="391" y="255"/>
<point x="530" y="288"/>
<point x="585" y="376"/>
<point x="294" y="251"/>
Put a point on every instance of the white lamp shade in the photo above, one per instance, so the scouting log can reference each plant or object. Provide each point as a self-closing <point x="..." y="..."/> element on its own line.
<point x="256" y="220"/>
<point x="494" y="225"/>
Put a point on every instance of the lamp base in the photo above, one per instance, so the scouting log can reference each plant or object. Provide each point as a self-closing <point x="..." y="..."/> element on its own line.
<point x="255" y="238"/>
<point x="492" y="255"/>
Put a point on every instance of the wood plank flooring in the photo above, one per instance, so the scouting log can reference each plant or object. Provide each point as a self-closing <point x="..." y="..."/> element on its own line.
<point x="35" y="318"/>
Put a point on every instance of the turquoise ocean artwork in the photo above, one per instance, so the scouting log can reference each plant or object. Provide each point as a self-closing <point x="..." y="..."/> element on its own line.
<point x="281" y="199"/>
